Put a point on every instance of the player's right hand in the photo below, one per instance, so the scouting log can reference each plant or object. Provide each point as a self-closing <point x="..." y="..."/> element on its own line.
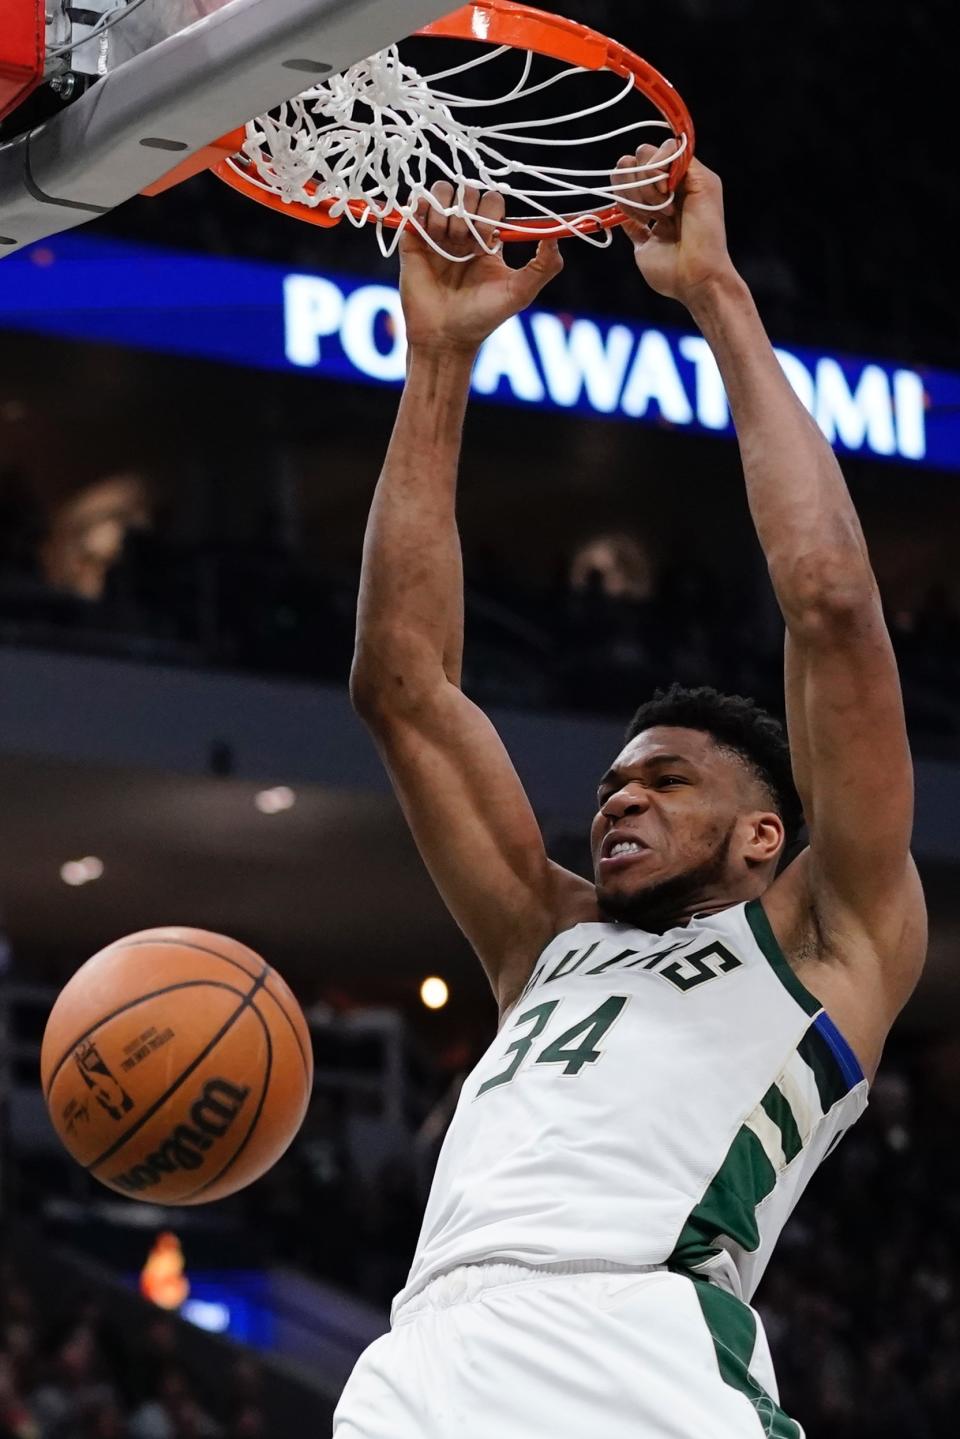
<point x="451" y="306"/>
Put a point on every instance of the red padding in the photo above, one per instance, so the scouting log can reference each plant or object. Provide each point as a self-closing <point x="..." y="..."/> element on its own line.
<point x="22" y="45"/>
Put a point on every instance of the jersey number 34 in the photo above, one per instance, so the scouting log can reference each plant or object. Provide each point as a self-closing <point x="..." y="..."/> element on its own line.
<point x="575" y="1048"/>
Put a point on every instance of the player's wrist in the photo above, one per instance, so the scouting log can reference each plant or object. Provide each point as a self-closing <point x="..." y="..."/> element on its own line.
<point x="439" y="376"/>
<point x="716" y="293"/>
<point x="443" y="352"/>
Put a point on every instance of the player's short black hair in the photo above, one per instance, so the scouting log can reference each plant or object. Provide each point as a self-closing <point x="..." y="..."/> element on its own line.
<point x="736" y="724"/>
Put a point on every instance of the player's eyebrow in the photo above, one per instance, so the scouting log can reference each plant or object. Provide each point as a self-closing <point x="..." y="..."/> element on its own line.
<point x="615" y="775"/>
<point x="611" y="776"/>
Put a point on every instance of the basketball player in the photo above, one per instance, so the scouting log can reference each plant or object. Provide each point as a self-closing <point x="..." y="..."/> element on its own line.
<point x="683" y="1041"/>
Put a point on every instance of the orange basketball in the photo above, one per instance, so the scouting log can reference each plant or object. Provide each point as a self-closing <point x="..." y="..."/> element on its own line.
<point x="177" y="1066"/>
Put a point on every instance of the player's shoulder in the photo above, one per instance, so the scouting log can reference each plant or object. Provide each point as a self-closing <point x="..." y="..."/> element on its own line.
<point x="573" y="899"/>
<point x="811" y="925"/>
<point x="863" y="980"/>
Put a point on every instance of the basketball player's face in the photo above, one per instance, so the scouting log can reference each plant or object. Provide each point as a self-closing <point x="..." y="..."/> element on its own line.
<point x="664" y="837"/>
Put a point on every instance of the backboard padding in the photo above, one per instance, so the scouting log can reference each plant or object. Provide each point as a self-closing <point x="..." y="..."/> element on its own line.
<point x="236" y="59"/>
<point x="21" y="51"/>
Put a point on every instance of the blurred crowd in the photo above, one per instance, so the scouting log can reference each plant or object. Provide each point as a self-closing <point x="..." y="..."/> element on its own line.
<point x="862" y="1301"/>
<point x="346" y="1201"/>
<point x="99" y="575"/>
<point x="69" y="1372"/>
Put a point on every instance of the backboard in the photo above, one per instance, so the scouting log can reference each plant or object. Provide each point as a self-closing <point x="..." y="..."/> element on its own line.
<point x="147" y="83"/>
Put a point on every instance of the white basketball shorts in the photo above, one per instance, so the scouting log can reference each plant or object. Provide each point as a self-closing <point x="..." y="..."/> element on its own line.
<point x="507" y="1351"/>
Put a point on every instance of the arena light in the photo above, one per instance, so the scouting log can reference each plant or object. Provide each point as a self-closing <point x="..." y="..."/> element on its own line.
<point x="77" y="872"/>
<point x="163" y="1279"/>
<point x="434" y="992"/>
<point x="275" y="801"/>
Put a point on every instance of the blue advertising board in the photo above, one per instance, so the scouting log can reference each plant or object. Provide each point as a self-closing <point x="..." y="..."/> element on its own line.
<point x="339" y="327"/>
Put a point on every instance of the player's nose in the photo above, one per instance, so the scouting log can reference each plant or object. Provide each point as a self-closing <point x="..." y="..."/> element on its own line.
<point x="626" y="802"/>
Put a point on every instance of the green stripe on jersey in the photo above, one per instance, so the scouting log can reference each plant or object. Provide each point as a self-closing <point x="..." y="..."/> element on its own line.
<point x="767" y="940"/>
<point x="733" y="1329"/>
<point x="816" y="1052"/>
<point x="775" y="1105"/>
<point x="728" y="1207"/>
<point x="746" y="1176"/>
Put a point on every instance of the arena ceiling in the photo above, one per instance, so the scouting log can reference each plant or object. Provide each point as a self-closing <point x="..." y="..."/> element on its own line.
<point x="331" y="891"/>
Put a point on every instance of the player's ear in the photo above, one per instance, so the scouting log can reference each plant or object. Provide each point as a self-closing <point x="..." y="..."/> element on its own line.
<point x="766" y="837"/>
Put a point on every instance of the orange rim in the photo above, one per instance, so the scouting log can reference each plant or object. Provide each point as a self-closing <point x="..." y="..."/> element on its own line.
<point x="502" y="22"/>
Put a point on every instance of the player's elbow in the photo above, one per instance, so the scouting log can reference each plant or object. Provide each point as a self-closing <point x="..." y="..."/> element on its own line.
<point x="372" y="692"/>
<point x="390" y="679"/>
<point x="363" y="691"/>
<point x="827" y="594"/>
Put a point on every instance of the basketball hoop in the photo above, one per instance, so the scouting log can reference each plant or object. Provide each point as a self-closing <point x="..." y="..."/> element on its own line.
<point x="366" y="145"/>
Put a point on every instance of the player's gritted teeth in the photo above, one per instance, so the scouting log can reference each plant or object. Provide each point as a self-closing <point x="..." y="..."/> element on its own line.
<point x="620" y="848"/>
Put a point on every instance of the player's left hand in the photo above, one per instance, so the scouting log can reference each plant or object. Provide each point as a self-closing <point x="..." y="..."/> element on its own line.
<point x="682" y="249"/>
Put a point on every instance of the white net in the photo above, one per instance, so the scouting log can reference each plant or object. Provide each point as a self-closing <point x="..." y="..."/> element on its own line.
<point x="369" y="144"/>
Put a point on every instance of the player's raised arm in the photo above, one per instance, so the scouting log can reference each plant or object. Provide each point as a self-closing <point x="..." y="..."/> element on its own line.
<point x="462" y="798"/>
<point x="845" y="712"/>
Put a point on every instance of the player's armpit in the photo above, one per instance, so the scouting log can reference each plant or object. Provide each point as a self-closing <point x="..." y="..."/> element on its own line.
<point x="855" y="774"/>
<point x="474" y="828"/>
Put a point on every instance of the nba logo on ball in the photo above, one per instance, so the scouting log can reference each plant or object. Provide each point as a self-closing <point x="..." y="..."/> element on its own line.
<point x="97" y="1077"/>
<point x="216" y="1058"/>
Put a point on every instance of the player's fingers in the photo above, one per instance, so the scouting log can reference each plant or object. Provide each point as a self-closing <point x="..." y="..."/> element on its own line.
<point x="438" y="222"/>
<point x="643" y="155"/>
<point x="412" y="241"/>
<point x="641" y="181"/>
<point x="637" y="233"/>
<point x="660" y="191"/>
<point x="704" y="189"/>
<point x="631" y="169"/>
<point x="472" y="199"/>
<point x="461" y="237"/>
<point x="699" y="177"/>
<point x="491" y="213"/>
<point x="545" y="266"/>
<point x="666" y="229"/>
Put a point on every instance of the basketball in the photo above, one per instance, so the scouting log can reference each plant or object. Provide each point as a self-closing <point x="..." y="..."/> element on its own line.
<point x="176" y="1066"/>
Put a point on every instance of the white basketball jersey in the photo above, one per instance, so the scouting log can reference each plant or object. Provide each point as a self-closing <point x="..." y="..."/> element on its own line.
<point x="650" y="1099"/>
